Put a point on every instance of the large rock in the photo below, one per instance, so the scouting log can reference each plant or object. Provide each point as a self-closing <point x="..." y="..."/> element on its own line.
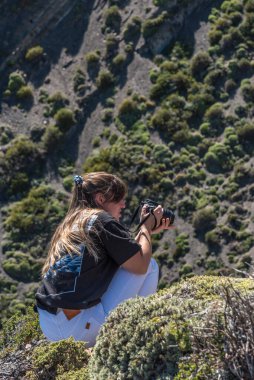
<point x="168" y="31"/>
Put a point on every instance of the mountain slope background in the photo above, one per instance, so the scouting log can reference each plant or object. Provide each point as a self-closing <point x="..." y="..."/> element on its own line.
<point x="160" y="93"/>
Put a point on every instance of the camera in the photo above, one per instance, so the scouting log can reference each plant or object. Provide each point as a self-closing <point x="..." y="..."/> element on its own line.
<point x="151" y="205"/>
<point x="167" y="213"/>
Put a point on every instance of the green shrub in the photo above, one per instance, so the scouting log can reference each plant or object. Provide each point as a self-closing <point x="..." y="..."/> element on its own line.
<point x="16" y="81"/>
<point x="128" y="111"/>
<point x="223" y="24"/>
<point x="96" y="142"/>
<point x="212" y="238"/>
<point x="51" y="138"/>
<point x="68" y="183"/>
<point x="19" y="184"/>
<point x="186" y="269"/>
<point x="58" y="99"/>
<point x="34" y="53"/>
<point x="244" y="66"/>
<point x="118" y="61"/>
<point x="113" y="138"/>
<point x="52" y="361"/>
<point x="77" y="374"/>
<point x="106" y="132"/>
<point x="112" y="43"/>
<point x="204" y="219"/>
<point x="107" y="115"/>
<point x="110" y="102"/>
<point x="22" y="267"/>
<point x="172" y="124"/>
<point x="230" y="85"/>
<point x="196" y="176"/>
<point x="156" y="337"/>
<point x="105" y="79"/>
<point x="215" y="36"/>
<point x="30" y="222"/>
<point x="200" y="63"/>
<point x="182" y="246"/>
<point x="168" y="83"/>
<point x="169" y="66"/>
<point x="246" y="133"/>
<point x="231" y="6"/>
<point x="113" y="18"/>
<point x="20" y="330"/>
<point x="236" y="18"/>
<point x="24" y="93"/>
<point x="132" y="30"/>
<point x="21" y="162"/>
<point x="150" y="26"/>
<point x="243" y="174"/>
<point x="23" y="155"/>
<point x="6" y="134"/>
<point x="7" y="285"/>
<point x="79" y="80"/>
<point x="231" y="40"/>
<point x="129" y="48"/>
<point x="247" y="25"/>
<point x="219" y="158"/>
<point x="205" y="129"/>
<point x="200" y="102"/>
<point x="215" y="117"/>
<point x="249" y="6"/>
<point x="92" y="57"/>
<point x="248" y="92"/>
<point x="215" y="77"/>
<point x="241" y="111"/>
<point x="64" y="119"/>
<point x="43" y="96"/>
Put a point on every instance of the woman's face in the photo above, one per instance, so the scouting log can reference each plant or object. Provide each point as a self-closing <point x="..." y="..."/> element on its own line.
<point x="114" y="208"/>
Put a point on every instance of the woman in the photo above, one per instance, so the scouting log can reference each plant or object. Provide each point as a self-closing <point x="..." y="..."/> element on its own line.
<point x="93" y="264"/>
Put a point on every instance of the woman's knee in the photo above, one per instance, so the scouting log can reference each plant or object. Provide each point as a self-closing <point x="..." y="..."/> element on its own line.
<point x="153" y="266"/>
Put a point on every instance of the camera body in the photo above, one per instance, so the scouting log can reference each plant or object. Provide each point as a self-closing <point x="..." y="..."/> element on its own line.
<point x="167" y="213"/>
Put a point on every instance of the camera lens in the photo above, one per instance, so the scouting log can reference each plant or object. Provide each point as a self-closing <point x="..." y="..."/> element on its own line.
<point x="169" y="214"/>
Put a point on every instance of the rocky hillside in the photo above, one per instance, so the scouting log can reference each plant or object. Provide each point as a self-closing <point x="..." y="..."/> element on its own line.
<point x="160" y="92"/>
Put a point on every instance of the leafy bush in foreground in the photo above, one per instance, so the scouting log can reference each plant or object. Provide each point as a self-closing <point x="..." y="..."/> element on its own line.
<point x="53" y="360"/>
<point x="163" y="336"/>
<point x="196" y="329"/>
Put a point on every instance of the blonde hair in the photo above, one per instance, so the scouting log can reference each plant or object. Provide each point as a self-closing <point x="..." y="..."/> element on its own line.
<point x="73" y="230"/>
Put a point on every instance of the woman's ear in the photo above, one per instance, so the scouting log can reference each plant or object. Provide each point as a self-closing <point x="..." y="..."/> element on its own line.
<point x="99" y="199"/>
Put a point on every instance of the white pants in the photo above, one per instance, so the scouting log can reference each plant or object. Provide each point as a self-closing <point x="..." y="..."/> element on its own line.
<point x="85" y="326"/>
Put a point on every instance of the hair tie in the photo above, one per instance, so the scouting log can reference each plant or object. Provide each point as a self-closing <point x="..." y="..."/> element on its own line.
<point x="78" y="180"/>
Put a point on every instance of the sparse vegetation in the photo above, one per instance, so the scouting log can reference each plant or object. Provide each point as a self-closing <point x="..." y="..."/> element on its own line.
<point x="64" y="119"/>
<point x="34" y="53"/>
<point x="104" y="80"/>
<point x="113" y="18"/>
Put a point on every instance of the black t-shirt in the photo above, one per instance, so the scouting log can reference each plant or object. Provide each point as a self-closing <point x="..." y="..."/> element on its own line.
<point x="77" y="281"/>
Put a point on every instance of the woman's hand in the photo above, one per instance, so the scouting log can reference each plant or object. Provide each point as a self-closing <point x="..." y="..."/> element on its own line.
<point x="165" y="225"/>
<point x="149" y="223"/>
<point x="154" y="219"/>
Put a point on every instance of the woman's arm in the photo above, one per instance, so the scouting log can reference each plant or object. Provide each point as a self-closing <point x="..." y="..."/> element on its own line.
<point x="139" y="263"/>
